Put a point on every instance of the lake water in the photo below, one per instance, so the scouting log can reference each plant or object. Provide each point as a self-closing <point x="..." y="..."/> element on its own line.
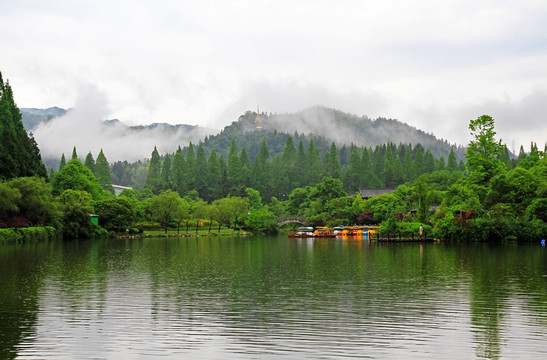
<point x="271" y="297"/>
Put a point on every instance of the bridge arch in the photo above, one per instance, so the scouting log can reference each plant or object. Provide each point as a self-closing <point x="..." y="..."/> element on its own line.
<point x="282" y="221"/>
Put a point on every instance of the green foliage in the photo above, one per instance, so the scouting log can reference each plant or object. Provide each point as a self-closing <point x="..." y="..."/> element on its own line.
<point x="483" y="151"/>
<point x="76" y="176"/>
<point x="262" y="221"/>
<point x="153" y="178"/>
<point x="19" y="153"/>
<point x="102" y="172"/>
<point x="115" y="214"/>
<point x="27" y="235"/>
<point x="226" y="211"/>
<point x="76" y="221"/>
<point x="166" y="207"/>
<point x="36" y="202"/>
<point x="9" y="197"/>
<point x="384" y="206"/>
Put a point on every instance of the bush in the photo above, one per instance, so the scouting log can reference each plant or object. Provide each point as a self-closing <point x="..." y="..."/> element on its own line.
<point x="27" y="235"/>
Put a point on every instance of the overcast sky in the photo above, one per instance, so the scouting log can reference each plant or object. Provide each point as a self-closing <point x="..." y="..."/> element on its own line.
<point x="432" y="64"/>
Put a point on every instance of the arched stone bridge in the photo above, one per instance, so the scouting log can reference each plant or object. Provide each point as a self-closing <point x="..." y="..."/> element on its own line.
<point x="282" y="221"/>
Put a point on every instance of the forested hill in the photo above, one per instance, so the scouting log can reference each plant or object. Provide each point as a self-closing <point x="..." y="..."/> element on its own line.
<point x="322" y="124"/>
<point x="325" y="126"/>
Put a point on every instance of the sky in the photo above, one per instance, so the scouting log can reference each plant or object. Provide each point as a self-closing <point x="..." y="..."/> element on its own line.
<point x="431" y="64"/>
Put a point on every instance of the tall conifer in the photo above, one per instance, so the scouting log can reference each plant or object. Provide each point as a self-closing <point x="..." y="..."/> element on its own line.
<point x="153" y="178"/>
<point x="102" y="172"/>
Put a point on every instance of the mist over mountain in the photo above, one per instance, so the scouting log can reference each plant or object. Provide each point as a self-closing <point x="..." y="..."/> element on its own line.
<point x="325" y="126"/>
<point x="58" y="130"/>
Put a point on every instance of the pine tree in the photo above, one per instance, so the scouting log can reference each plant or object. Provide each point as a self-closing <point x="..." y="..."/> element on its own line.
<point x="74" y="153"/>
<point x="314" y="164"/>
<point x="505" y="158"/>
<point x="389" y="178"/>
<point x="166" y="173"/>
<point x="378" y="166"/>
<point x="398" y="173"/>
<point x="190" y="167"/>
<point x="452" y="164"/>
<point x="102" y="172"/>
<point x="409" y="171"/>
<point x="288" y="165"/>
<point x="301" y="166"/>
<point x="19" y="153"/>
<point x="89" y="162"/>
<point x="234" y="171"/>
<point x="202" y="172"/>
<point x="178" y="170"/>
<point x="62" y="164"/>
<point x="419" y="160"/>
<point x="429" y="162"/>
<point x="333" y="167"/>
<point x="153" y="178"/>
<point x="354" y="172"/>
<point x="245" y="168"/>
<point x="214" y="178"/>
<point x="441" y="165"/>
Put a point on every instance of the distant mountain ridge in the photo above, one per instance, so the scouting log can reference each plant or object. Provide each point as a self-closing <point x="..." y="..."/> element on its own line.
<point x="32" y="117"/>
<point x="324" y="125"/>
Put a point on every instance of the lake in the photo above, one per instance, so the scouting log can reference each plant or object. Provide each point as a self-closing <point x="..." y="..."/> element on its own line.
<point x="270" y="298"/>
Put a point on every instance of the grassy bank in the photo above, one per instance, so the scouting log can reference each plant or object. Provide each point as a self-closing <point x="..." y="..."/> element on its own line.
<point x="28" y="235"/>
<point x="174" y="233"/>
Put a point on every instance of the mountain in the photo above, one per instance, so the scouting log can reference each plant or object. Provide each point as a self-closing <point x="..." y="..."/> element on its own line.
<point x="32" y="117"/>
<point x="325" y="126"/>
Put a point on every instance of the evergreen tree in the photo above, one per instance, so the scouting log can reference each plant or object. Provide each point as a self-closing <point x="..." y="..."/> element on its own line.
<point x="102" y="172"/>
<point x="89" y="162"/>
<point x="389" y="178"/>
<point x="260" y="172"/>
<point x="153" y="179"/>
<point x="419" y="160"/>
<point x="370" y="179"/>
<point x="429" y="162"/>
<point x="278" y="180"/>
<point x="245" y="168"/>
<point x="62" y="164"/>
<point x="224" y="183"/>
<point x="442" y="164"/>
<point x="398" y="173"/>
<point x="244" y="158"/>
<point x="166" y="173"/>
<point x="333" y="167"/>
<point x="74" y="153"/>
<point x="288" y="165"/>
<point x="19" y="153"/>
<point x="314" y="164"/>
<point x="409" y="170"/>
<point x="190" y="167"/>
<point x="452" y="162"/>
<point x="301" y="166"/>
<point x="234" y="171"/>
<point x="505" y="158"/>
<point x="378" y="166"/>
<point x="202" y="172"/>
<point x="214" y="178"/>
<point x="178" y="171"/>
<point x="354" y="172"/>
<point x="522" y="154"/>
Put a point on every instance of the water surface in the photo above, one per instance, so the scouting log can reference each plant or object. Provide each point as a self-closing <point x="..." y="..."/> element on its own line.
<point x="271" y="297"/>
